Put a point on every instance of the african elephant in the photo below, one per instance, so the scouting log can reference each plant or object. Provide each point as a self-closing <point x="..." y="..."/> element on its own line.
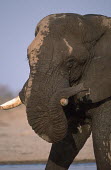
<point x="68" y="93"/>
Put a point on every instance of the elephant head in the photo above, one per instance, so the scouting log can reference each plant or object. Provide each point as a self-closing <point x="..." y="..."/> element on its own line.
<point x="64" y="48"/>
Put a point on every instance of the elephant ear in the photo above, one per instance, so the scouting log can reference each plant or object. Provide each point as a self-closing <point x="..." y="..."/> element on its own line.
<point x="98" y="79"/>
<point x="97" y="76"/>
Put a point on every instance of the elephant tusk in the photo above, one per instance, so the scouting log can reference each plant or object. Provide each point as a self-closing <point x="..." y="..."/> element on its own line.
<point x="11" y="104"/>
<point x="64" y="102"/>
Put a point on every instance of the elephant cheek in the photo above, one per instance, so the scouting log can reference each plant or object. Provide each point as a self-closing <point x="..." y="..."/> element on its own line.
<point x="51" y="126"/>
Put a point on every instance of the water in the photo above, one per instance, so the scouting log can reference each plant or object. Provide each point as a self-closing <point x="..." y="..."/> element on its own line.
<point x="79" y="166"/>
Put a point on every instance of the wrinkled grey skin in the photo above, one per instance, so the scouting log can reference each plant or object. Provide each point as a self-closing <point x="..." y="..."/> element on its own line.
<point x="70" y="55"/>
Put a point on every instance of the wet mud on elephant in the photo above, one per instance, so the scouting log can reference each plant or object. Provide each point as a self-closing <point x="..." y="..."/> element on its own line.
<point x="68" y="93"/>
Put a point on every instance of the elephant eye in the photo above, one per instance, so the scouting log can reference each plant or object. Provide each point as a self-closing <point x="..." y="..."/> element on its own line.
<point x="70" y="63"/>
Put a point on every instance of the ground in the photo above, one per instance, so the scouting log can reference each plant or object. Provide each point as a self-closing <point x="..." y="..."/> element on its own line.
<point x="19" y="143"/>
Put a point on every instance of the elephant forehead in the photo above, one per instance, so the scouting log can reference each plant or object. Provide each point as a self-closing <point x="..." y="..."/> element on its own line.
<point x="45" y="22"/>
<point x="106" y="22"/>
<point x="43" y="29"/>
<point x="42" y="34"/>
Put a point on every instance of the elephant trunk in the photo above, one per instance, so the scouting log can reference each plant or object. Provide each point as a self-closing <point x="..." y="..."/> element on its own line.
<point x="46" y="117"/>
<point x="50" y="125"/>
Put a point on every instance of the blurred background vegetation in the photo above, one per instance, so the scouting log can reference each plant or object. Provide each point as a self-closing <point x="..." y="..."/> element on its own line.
<point x="5" y="93"/>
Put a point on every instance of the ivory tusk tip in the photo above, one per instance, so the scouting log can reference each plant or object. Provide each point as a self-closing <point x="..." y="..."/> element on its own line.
<point x="1" y="108"/>
<point x="64" y="102"/>
<point x="11" y="104"/>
